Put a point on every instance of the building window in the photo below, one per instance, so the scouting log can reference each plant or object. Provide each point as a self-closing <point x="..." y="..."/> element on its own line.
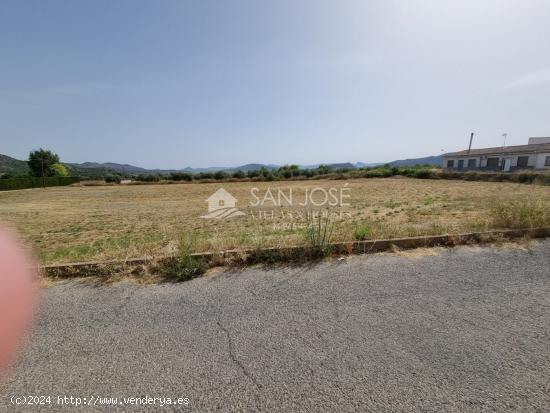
<point x="461" y="164"/>
<point x="523" y="161"/>
<point x="547" y="162"/>
<point x="451" y="163"/>
<point x="492" y="162"/>
<point x="471" y="163"/>
<point x="221" y="202"/>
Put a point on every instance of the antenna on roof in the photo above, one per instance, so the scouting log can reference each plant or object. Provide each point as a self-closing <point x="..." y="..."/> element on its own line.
<point x="471" y="140"/>
<point x="504" y="135"/>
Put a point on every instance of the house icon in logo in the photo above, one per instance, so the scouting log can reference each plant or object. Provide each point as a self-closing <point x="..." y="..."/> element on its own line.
<point x="221" y="204"/>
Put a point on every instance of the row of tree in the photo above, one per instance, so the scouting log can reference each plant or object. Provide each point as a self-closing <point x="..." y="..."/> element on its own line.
<point x="283" y="172"/>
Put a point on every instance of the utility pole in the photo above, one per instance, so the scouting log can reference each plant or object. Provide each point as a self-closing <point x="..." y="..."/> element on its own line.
<point x="504" y="135"/>
<point x="471" y="140"/>
<point x="43" y="179"/>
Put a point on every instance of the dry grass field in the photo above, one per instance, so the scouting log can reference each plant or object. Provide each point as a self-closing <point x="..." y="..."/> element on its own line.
<point x="69" y="224"/>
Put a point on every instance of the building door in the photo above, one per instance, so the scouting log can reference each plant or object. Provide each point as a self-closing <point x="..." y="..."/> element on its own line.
<point x="507" y="165"/>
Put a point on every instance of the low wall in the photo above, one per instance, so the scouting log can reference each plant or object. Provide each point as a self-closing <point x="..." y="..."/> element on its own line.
<point x="105" y="268"/>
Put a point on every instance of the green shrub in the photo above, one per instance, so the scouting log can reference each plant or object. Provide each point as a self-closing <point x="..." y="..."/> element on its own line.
<point x="220" y="175"/>
<point x="378" y="173"/>
<point x="422" y="174"/>
<point x="539" y="178"/>
<point x="471" y="176"/>
<point x="449" y="175"/>
<point x="181" y="176"/>
<point x="112" y="179"/>
<point x="361" y="233"/>
<point x="318" y="234"/>
<point x="183" y="266"/>
<point x="542" y="179"/>
<point x="525" y="177"/>
<point x="205" y="175"/>
<point x="25" y="183"/>
<point x="148" y="178"/>
<point x="498" y="177"/>
<point x="59" y="170"/>
<point x="323" y="169"/>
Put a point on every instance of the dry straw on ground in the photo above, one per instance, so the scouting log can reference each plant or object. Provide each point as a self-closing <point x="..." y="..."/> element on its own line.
<point x="71" y="224"/>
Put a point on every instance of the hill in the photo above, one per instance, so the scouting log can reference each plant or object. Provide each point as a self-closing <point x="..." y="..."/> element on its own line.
<point x="367" y="165"/>
<point x="428" y="160"/>
<point x="12" y="165"/>
<point x="121" y="168"/>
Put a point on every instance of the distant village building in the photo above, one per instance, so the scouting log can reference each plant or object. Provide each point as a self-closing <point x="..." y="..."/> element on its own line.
<point x="535" y="155"/>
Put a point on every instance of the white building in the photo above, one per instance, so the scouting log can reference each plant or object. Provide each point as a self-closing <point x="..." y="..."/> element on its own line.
<point x="535" y="155"/>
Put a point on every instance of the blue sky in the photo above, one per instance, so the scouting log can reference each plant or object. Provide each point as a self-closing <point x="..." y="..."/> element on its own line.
<point x="171" y="84"/>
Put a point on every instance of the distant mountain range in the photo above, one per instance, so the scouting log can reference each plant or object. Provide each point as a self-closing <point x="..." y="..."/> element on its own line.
<point x="428" y="160"/>
<point x="87" y="169"/>
<point x="131" y="169"/>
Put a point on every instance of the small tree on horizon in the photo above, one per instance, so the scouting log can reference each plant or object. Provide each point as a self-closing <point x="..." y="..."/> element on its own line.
<point x="41" y="162"/>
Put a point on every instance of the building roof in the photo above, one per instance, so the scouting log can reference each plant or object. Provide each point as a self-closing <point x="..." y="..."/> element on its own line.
<point x="535" y="148"/>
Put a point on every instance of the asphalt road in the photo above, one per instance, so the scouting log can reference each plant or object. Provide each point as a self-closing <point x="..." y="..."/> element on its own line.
<point x="466" y="329"/>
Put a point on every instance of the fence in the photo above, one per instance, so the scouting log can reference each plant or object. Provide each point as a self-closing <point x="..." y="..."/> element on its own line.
<point x="24" y="183"/>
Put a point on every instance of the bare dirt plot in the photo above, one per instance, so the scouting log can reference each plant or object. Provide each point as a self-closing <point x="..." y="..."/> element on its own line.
<point x="68" y="224"/>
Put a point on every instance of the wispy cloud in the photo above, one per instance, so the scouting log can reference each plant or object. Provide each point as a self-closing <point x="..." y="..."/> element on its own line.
<point x="531" y="79"/>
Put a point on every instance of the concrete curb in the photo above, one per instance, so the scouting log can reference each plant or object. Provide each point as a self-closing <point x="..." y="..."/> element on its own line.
<point x="137" y="265"/>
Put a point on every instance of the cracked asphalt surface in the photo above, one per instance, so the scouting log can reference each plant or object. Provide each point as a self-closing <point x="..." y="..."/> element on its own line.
<point x="466" y="329"/>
